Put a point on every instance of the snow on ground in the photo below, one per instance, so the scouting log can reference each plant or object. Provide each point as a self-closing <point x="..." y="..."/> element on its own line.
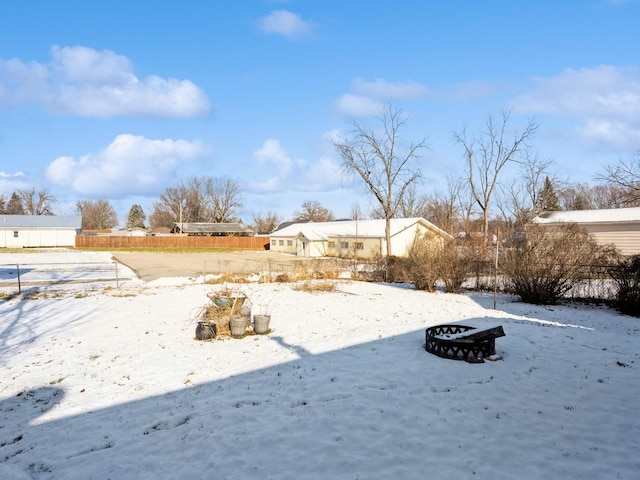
<point x="102" y="382"/>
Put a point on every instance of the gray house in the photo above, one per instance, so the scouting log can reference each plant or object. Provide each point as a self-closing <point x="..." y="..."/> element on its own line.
<point x="36" y="231"/>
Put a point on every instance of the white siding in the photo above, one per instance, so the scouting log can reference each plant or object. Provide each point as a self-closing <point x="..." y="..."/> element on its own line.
<point x="37" y="237"/>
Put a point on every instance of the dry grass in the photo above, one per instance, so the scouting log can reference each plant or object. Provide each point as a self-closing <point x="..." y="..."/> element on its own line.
<point x="226" y="278"/>
<point x="315" y="286"/>
<point x="225" y="304"/>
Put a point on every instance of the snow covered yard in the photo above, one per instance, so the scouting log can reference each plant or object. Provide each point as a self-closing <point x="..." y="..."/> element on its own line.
<point x="104" y="382"/>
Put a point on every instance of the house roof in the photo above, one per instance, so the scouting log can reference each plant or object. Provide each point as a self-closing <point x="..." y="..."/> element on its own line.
<point x="40" y="221"/>
<point x="193" y="227"/>
<point x="607" y="215"/>
<point x="349" y="228"/>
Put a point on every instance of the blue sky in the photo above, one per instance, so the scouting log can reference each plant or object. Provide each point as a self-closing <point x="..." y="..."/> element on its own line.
<point x="122" y="99"/>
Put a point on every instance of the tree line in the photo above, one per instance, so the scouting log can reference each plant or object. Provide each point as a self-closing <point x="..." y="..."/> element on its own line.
<point x="389" y="170"/>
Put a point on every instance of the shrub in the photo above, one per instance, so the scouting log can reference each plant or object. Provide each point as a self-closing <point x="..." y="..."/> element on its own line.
<point x="626" y="275"/>
<point x="545" y="265"/>
<point x="456" y="263"/>
<point x="384" y="269"/>
<point x="423" y="261"/>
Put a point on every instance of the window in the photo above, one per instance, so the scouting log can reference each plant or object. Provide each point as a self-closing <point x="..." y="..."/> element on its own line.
<point x="332" y="244"/>
<point x="289" y="243"/>
<point x="344" y="244"/>
<point x="281" y="243"/>
<point x="359" y="246"/>
<point x="274" y="242"/>
<point x="15" y="234"/>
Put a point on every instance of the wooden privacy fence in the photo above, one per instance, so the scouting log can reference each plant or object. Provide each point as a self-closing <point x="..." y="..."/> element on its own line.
<point x="172" y="241"/>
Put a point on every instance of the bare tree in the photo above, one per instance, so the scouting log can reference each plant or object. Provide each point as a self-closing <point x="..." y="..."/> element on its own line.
<point x="97" y="214"/>
<point x="312" y="211"/>
<point x="443" y="209"/>
<point x="266" y="222"/>
<point x="611" y="196"/>
<point x="625" y="174"/>
<point x="412" y="204"/>
<point x="161" y="218"/>
<point x="356" y="212"/>
<point x="487" y="155"/>
<point x="575" y="196"/>
<point x="535" y="177"/>
<point x="224" y="199"/>
<point x="198" y="199"/>
<point x="39" y="204"/>
<point x="522" y="199"/>
<point x="380" y="161"/>
<point x="3" y="201"/>
<point x="514" y="209"/>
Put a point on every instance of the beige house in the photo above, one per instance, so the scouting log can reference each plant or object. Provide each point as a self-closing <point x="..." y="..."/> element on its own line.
<point x="617" y="226"/>
<point x="351" y="238"/>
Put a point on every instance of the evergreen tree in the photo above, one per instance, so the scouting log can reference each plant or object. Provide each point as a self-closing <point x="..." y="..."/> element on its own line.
<point x="548" y="198"/>
<point x="136" y="217"/>
<point x="14" y="206"/>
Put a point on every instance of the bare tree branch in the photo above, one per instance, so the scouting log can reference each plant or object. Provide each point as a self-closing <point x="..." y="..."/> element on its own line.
<point x="488" y="154"/>
<point x="381" y="163"/>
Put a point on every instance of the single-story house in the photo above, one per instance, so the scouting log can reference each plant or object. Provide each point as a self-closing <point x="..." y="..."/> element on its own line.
<point x="617" y="226"/>
<point x="39" y="230"/>
<point x="351" y="238"/>
<point x="212" y="229"/>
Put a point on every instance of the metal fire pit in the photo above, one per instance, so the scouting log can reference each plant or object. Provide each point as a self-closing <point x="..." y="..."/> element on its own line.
<point x="462" y="342"/>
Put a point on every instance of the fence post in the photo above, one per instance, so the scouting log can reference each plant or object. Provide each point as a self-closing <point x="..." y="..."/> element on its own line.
<point x="18" y="270"/>
<point x="495" y="279"/>
<point x="117" y="279"/>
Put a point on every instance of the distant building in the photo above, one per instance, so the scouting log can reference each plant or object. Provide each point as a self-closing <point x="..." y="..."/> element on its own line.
<point x="617" y="226"/>
<point x="212" y="229"/>
<point x="39" y="231"/>
<point x="350" y="238"/>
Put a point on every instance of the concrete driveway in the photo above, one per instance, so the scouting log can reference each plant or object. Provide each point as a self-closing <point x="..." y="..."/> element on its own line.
<point x="153" y="265"/>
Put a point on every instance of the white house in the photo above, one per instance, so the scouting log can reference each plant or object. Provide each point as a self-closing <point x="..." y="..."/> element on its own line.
<point x="39" y="231"/>
<point x="617" y="226"/>
<point x="349" y="238"/>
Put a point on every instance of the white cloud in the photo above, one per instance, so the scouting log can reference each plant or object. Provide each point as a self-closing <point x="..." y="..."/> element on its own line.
<point x="331" y="136"/>
<point x="130" y="165"/>
<point x="285" y="23"/>
<point x="291" y="174"/>
<point x="367" y="98"/>
<point x="384" y="90"/>
<point x="272" y="152"/>
<point x="474" y="89"/>
<point x="90" y="83"/>
<point x="10" y="182"/>
<point x="323" y="174"/>
<point x="358" y="106"/>
<point x="605" y="101"/>
<point x="625" y="136"/>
